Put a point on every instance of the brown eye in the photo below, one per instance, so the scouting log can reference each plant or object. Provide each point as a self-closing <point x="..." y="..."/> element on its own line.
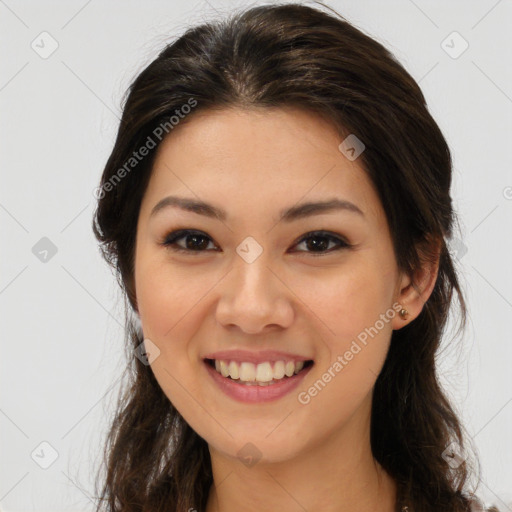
<point x="320" y="242"/>
<point x="195" y="241"/>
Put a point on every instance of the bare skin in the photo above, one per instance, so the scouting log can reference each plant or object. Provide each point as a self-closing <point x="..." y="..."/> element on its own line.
<point x="314" y="454"/>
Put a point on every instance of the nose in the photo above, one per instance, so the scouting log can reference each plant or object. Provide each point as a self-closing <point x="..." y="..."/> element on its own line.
<point x="253" y="298"/>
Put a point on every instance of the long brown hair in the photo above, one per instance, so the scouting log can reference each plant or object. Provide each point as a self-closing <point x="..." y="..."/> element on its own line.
<point x="270" y="57"/>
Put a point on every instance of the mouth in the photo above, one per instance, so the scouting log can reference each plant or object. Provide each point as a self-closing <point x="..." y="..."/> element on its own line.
<point x="268" y="373"/>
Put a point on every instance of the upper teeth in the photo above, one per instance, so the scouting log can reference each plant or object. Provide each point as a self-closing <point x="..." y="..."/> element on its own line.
<point x="263" y="372"/>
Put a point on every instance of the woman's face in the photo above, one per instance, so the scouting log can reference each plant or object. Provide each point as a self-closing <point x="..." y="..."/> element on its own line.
<point x="249" y="284"/>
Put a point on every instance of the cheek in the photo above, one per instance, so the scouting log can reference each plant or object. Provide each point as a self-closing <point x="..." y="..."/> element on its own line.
<point x="168" y="298"/>
<point x="348" y="302"/>
<point x="173" y="306"/>
<point x="170" y="305"/>
<point x="352" y="307"/>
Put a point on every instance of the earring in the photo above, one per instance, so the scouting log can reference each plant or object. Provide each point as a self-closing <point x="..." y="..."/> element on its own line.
<point x="404" y="313"/>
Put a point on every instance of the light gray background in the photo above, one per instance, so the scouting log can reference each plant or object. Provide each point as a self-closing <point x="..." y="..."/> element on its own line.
<point x="62" y="352"/>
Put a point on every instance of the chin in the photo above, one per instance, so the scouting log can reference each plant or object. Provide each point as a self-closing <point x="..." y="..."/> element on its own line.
<point x="257" y="446"/>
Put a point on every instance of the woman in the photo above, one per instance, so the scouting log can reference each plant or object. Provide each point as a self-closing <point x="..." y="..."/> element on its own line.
<point x="277" y="207"/>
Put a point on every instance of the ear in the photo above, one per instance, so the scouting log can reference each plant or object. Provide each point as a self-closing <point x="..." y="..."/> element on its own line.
<point x="414" y="291"/>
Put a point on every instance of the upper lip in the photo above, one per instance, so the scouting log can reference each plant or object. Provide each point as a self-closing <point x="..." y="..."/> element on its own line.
<point x="260" y="356"/>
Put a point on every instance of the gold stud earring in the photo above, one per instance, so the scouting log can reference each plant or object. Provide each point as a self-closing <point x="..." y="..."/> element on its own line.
<point x="404" y="313"/>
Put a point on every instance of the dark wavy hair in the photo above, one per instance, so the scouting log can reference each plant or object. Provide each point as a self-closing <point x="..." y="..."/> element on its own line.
<point x="309" y="57"/>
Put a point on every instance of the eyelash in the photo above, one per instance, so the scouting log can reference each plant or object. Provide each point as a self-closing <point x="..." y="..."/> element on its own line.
<point x="171" y="239"/>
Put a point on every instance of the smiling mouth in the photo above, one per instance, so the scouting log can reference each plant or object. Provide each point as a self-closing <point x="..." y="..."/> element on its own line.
<point x="262" y="374"/>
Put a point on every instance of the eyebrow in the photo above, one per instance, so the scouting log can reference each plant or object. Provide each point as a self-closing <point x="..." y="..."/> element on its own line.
<point x="288" y="214"/>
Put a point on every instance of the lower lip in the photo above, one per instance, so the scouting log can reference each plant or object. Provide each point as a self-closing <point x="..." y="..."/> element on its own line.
<point x="254" y="394"/>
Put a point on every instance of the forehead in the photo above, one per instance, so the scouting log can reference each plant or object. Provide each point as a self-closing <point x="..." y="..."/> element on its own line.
<point x="258" y="160"/>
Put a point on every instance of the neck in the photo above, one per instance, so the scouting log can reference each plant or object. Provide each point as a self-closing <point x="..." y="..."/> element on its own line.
<point x="340" y="475"/>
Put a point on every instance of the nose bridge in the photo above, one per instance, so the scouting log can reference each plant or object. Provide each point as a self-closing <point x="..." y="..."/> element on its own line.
<point x="253" y="296"/>
<point x="252" y="277"/>
<point x="251" y="266"/>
